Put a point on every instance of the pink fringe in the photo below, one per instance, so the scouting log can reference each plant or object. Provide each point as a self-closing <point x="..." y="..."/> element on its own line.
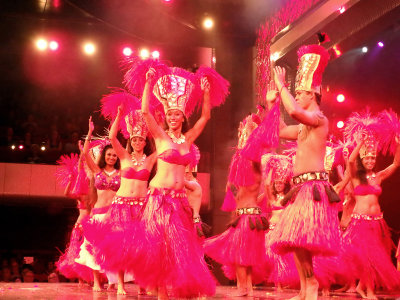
<point x="239" y="246"/>
<point x="110" y="103"/>
<point x="264" y="137"/>
<point x="308" y="224"/>
<point x="67" y="169"/>
<point x="317" y="49"/>
<point x="229" y="202"/>
<point x="283" y="267"/>
<point x="370" y="245"/>
<point x="241" y="171"/>
<point x="66" y="264"/>
<point x="219" y="86"/>
<point x="168" y="253"/>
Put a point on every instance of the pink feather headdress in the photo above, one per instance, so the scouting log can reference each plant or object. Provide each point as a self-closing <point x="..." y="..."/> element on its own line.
<point x="313" y="60"/>
<point x="67" y="169"/>
<point x="391" y="127"/>
<point x="280" y="166"/>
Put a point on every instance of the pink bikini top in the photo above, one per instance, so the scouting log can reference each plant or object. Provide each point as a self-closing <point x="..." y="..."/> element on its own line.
<point x="101" y="183"/>
<point x="363" y="190"/>
<point x="131" y="173"/>
<point x="173" y="156"/>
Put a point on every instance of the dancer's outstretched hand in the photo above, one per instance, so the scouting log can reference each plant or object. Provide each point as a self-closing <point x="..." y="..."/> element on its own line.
<point x="272" y="92"/>
<point x="279" y="75"/>
<point x="151" y="73"/>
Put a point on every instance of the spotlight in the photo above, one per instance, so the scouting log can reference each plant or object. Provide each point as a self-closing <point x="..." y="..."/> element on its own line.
<point x="364" y="49"/>
<point x="155" y="54"/>
<point x="380" y="44"/>
<point x="89" y="48"/>
<point x="208" y="23"/>
<point x="340" y="98"/>
<point x="337" y="50"/>
<point x="41" y="44"/>
<point x="144" y="53"/>
<point x="340" y="124"/>
<point x="167" y="1"/>
<point x="13" y="147"/>
<point x="342" y="9"/>
<point x="214" y="59"/>
<point x="43" y="148"/>
<point x="127" y="51"/>
<point x="21" y="147"/>
<point x="53" y="45"/>
<point x="275" y="56"/>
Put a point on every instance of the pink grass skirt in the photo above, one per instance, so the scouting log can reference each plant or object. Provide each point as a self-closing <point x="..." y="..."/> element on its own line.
<point x="368" y="238"/>
<point x="66" y="264"/>
<point x="283" y="266"/>
<point x="113" y="239"/>
<point x="168" y="253"/>
<point x="242" y="246"/>
<point x="308" y="224"/>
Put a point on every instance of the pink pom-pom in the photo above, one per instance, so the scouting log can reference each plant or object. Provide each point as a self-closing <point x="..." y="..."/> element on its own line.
<point x="229" y="202"/>
<point x="219" y="86"/>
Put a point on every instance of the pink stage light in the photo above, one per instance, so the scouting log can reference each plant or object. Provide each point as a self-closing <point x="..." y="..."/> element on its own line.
<point x="340" y="124"/>
<point x="41" y="44"/>
<point x="53" y="45"/>
<point x="127" y="51"/>
<point x="380" y="44"/>
<point x="340" y="98"/>
<point x="167" y="1"/>
<point x="155" y="54"/>
<point x="21" y="147"/>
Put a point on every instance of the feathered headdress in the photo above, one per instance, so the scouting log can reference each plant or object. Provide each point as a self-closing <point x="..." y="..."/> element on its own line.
<point x="67" y="169"/>
<point x="280" y="166"/>
<point x="313" y="60"/>
<point x="136" y="125"/>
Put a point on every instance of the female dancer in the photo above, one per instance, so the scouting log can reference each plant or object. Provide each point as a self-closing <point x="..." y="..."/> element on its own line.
<point x="169" y="254"/>
<point x="241" y="248"/>
<point x="107" y="182"/>
<point x="77" y="187"/>
<point x="279" y="171"/>
<point x="113" y="243"/>
<point x="368" y="231"/>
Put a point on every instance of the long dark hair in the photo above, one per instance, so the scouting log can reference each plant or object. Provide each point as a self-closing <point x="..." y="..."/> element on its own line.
<point x="185" y="125"/>
<point x="286" y="189"/>
<point x="149" y="148"/>
<point x="361" y="173"/>
<point x="102" y="160"/>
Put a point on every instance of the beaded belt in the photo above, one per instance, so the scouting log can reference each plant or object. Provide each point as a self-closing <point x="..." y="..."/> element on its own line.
<point x="248" y="211"/>
<point x="367" y="217"/>
<point x="129" y="200"/>
<point x="310" y="176"/>
<point x="170" y="192"/>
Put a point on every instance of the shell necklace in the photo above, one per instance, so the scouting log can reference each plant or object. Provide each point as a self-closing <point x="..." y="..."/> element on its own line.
<point x="177" y="140"/>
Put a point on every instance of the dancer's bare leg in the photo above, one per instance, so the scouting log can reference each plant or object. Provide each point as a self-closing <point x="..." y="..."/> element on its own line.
<point x="96" y="281"/>
<point x="121" y="283"/>
<point x="249" y="281"/>
<point x="241" y="278"/>
<point x="305" y="260"/>
<point x="360" y="290"/>
<point x="302" y="293"/>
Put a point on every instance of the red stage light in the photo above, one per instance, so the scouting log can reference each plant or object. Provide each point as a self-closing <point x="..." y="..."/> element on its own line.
<point x="127" y="51"/>
<point x="21" y="147"/>
<point x="340" y="124"/>
<point x="340" y="98"/>
<point x="53" y="45"/>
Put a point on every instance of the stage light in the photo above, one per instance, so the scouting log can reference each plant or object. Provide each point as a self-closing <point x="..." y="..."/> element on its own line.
<point x="127" y="51"/>
<point x="41" y="44"/>
<point x="214" y="59"/>
<point x="89" y="48"/>
<point x="337" y="50"/>
<point x="13" y="147"/>
<point x="167" y="1"/>
<point x="364" y="49"/>
<point x="53" y="45"/>
<point x="21" y="147"/>
<point x="340" y="124"/>
<point x="144" y="53"/>
<point x="340" y="98"/>
<point x="342" y="9"/>
<point x="275" y="56"/>
<point x="380" y="44"/>
<point x="155" y="54"/>
<point x="208" y="23"/>
<point x="43" y="148"/>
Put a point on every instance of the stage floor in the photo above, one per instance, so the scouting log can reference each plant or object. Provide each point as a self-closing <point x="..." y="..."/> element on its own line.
<point x="70" y="291"/>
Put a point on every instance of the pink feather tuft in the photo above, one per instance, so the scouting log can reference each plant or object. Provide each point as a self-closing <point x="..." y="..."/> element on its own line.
<point x="67" y="169"/>
<point x="358" y="123"/>
<point x="390" y="128"/>
<point x="317" y="49"/>
<point x="110" y="103"/>
<point x="219" y="86"/>
<point x="196" y="152"/>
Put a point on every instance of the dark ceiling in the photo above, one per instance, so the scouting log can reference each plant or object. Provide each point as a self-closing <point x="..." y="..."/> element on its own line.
<point x="177" y="22"/>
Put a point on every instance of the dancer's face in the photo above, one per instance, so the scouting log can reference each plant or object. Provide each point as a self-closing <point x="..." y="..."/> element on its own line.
<point x="279" y="186"/>
<point x="138" y="143"/>
<point x="174" y="118"/>
<point x="369" y="162"/>
<point x="111" y="157"/>
<point x="304" y="98"/>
